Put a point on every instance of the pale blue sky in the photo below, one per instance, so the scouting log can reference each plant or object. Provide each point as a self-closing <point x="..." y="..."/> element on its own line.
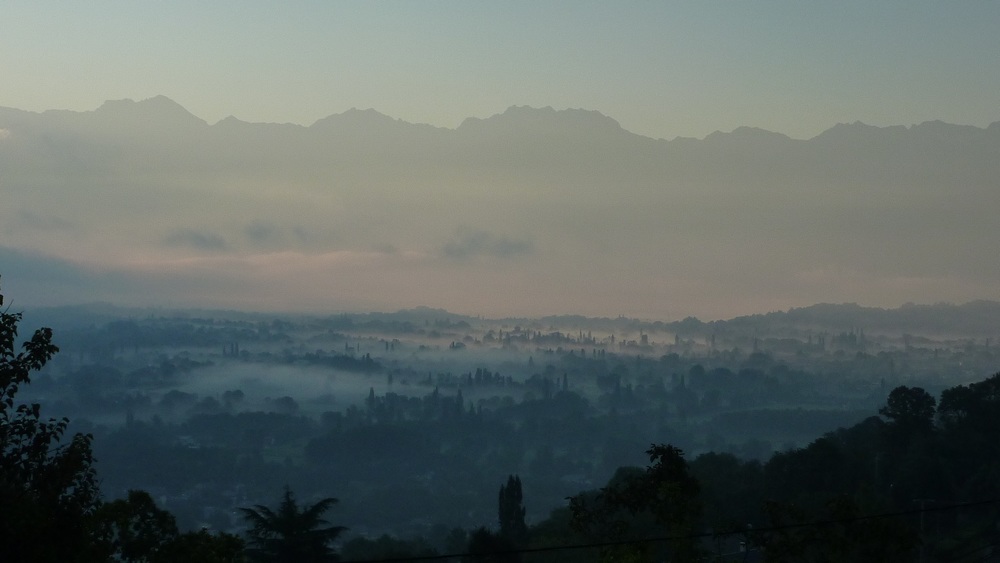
<point x="662" y="69"/>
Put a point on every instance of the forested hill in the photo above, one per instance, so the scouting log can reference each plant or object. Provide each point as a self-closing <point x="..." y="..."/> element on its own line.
<point x="975" y="318"/>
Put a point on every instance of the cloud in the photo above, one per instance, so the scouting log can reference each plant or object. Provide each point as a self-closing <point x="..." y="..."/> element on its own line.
<point x="262" y="233"/>
<point x="36" y="278"/>
<point x="196" y="239"/>
<point x="302" y="235"/>
<point x="469" y="244"/>
<point x="47" y="222"/>
<point x="266" y="236"/>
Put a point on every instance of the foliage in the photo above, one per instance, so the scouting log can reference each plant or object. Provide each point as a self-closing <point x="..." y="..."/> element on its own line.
<point x="731" y="489"/>
<point x="489" y="547"/>
<point x="47" y="488"/>
<point x="291" y="533"/>
<point x="386" y="547"/>
<point x="661" y="502"/>
<point x="842" y="535"/>
<point x="911" y="410"/>
<point x="134" y="529"/>
<point x="511" y="512"/>
<point x="973" y="408"/>
<point x="555" y="531"/>
<point x="203" y="547"/>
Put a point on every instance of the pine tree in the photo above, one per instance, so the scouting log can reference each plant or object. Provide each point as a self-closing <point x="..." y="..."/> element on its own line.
<point x="291" y="533"/>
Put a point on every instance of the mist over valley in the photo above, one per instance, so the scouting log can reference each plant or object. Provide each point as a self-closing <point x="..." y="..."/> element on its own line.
<point x="426" y="411"/>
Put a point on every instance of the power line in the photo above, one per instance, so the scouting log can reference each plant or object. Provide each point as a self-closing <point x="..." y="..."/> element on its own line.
<point x="986" y="557"/>
<point x="701" y="535"/>
<point x="972" y="552"/>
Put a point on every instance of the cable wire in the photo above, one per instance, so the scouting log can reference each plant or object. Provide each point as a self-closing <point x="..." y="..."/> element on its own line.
<point x="701" y="535"/>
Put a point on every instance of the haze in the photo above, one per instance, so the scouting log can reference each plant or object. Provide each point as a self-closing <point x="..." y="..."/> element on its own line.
<point x="526" y="211"/>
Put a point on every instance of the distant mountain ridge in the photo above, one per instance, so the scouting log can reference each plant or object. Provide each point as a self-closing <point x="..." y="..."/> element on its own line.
<point x="160" y="107"/>
<point x="563" y="197"/>
<point x="539" y="132"/>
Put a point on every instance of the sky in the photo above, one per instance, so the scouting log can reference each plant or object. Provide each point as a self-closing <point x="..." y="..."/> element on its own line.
<point x="660" y="69"/>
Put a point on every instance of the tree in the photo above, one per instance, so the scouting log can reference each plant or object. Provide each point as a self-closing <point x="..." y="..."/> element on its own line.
<point x="660" y="502"/>
<point x="975" y="407"/>
<point x="845" y="535"/>
<point x="969" y="416"/>
<point x="291" y="534"/>
<point x="50" y="508"/>
<point x="511" y="512"/>
<point x="732" y="489"/>
<point x="48" y="489"/>
<point x="488" y="547"/>
<point x="203" y="547"/>
<point x="387" y="547"/>
<point x="911" y="412"/>
<point x="135" y="529"/>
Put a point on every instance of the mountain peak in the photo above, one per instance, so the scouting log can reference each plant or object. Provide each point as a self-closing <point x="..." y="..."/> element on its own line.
<point x="157" y="107"/>
<point x="355" y="115"/>
<point x="527" y="118"/>
<point x="851" y="132"/>
<point x="745" y="133"/>
<point x="938" y="127"/>
<point x="365" y="120"/>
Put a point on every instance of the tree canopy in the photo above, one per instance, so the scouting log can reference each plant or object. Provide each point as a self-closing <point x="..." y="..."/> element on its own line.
<point x="291" y="533"/>
<point x="50" y="505"/>
<point x="48" y="487"/>
<point x="511" y="512"/>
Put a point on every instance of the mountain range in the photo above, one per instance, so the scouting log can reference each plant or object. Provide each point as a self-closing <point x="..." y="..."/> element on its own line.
<point x="534" y="210"/>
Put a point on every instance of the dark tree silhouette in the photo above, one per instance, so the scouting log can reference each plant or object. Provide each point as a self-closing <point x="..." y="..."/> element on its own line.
<point x="972" y="408"/>
<point x="47" y="489"/>
<point x="135" y="529"/>
<point x="846" y="536"/>
<point x="511" y="512"/>
<point x="661" y="501"/>
<point x="911" y="410"/>
<point x="291" y="534"/>
<point x="387" y="547"/>
<point x="488" y="547"/>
